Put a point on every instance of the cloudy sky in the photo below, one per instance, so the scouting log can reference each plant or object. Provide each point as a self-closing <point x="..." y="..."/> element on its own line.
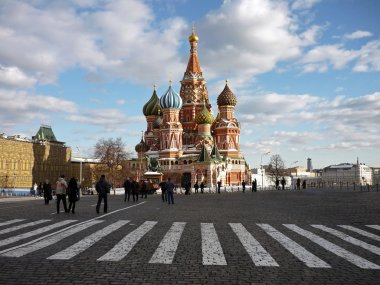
<point x="305" y="72"/>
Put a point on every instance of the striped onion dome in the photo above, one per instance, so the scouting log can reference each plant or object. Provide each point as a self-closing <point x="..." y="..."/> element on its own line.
<point x="152" y="106"/>
<point x="170" y="99"/>
<point x="226" y="98"/>
<point x="141" y="147"/>
<point x="204" y="116"/>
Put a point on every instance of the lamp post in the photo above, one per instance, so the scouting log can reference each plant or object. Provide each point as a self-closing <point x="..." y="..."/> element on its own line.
<point x="262" y="175"/>
<point x="80" y="170"/>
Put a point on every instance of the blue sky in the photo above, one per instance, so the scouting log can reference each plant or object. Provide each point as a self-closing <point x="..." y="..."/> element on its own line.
<point x="305" y="72"/>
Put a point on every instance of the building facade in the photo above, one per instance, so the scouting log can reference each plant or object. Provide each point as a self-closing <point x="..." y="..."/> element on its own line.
<point x="184" y="137"/>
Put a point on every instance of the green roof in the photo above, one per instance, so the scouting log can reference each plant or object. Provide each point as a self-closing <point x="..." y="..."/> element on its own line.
<point x="204" y="156"/>
<point x="215" y="153"/>
<point x="45" y="133"/>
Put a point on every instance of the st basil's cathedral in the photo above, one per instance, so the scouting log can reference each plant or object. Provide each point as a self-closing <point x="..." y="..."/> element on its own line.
<point x="184" y="140"/>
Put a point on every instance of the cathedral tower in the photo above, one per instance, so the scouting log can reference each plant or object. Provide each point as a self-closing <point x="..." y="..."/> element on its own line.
<point x="193" y="89"/>
<point x="171" y="127"/>
<point x="226" y="128"/>
<point x="151" y="112"/>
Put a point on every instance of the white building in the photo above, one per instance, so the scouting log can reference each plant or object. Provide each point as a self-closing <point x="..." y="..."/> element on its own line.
<point x="348" y="173"/>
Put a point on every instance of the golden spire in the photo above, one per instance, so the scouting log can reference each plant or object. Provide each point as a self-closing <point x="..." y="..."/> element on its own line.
<point x="226" y="81"/>
<point x="193" y="37"/>
<point x="154" y="86"/>
<point x="170" y="82"/>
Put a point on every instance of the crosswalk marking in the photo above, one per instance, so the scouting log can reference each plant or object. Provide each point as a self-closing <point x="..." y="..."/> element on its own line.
<point x="294" y="248"/>
<point x="362" y="232"/>
<point x="121" y="249"/>
<point x="339" y="251"/>
<point x="212" y="253"/>
<point x="21" y="251"/>
<point x="376" y="227"/>
<point x="14" y="239"/>
<point x="87" y="242"/>
<point x="168" y="246"/>
<point x="258" y="254"/>
<point x="15" y="228"/>
<point x="349" y="239"/>
<point x="11" y="222"/>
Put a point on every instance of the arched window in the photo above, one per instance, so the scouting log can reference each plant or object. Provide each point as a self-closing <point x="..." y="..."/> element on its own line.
<point x="185" y="162"/>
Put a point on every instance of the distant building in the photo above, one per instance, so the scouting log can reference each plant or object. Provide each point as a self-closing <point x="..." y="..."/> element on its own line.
<point x="309" y="165"/>
<point x="348" y="173"/>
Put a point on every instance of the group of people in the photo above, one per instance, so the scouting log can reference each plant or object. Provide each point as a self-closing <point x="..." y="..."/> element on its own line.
<point x="133" y="187"/>
<point x="70" y="189"/>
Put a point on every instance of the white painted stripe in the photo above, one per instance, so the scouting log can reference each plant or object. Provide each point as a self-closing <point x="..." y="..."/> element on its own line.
<point x="87" y="242"/>
<point x="339" y="251"/>
<point x="15" y="228"/>
<point x="123" y="247"/>
<point x="11" y="222"/>
<point x="49" y="241"/>
<point x="294" y="248"/>
<point x="350" y="239"/>
<point x="212" y="253"/>
<point x="169" y="244"/>
<point x="35" y="232"/>
<point x="376" y="227"/>
<point x="69" y="227"/>
<point x="257" y="253"/>
<point x="359" y="231"/>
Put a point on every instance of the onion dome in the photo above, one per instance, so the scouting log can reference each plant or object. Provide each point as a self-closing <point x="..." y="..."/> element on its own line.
<point x="152" y="106"/>
<point x="158" y="121"/>
<point x="204" y="116"/>
<point x="141" y="146"/>
<point x="170" y="99"/>
<point x="226" y="98"/>
<point x="193" y="37"/>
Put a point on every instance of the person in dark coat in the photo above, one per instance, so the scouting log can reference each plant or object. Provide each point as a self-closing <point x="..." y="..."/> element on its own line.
<point x="196" y="187"/>
<point x="102" y="188"/>
<point x="47" y="191"/>
<point x="243" y="185"/>
<point x="170" y="190"/>
<point x="219" y="185"/>
<point x="144" y="189"/>
<point x="127" y="189"/>
<point x="277" y="184"/>
<point x="283" y="182"/>
<point x="298" y="184"/>
<point x="254" y="185"/>
<point x="135" y="191"/>
<point x="164" y="195"/>
<point x="72" y="193"/>
<point x="202" y="187"/>
<point x="304" y="184"/>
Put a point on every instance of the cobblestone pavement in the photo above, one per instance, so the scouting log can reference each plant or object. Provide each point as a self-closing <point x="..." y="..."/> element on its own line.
<point x="272" y="237"/>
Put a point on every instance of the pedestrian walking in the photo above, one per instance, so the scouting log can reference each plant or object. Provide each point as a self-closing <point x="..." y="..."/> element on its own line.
<point x="135" y="191"/>
<point x="144" y="190"/>
<point x="34" y="189"/>
<point x="202" y="187"/>
<point x="254" y="185"/>
<point x="102" y="188"/>
<point x="60" y="191"/>
<point x="283" y="182"/>
<point x="127" y="189"/>
<point x="164" y="195"/>
<point x="243" y="185"/>
<point x="47" y="191"/>
<point x="277" y="184"/>
<point x="219" y="185"/>
<point x="304" y="184"/>
<point x="170" y="190"/>
<point x="196" y="187"/>
<point x="73" y="194"/>
<point x="39" y="189"/>
<point x="298" y="184"/>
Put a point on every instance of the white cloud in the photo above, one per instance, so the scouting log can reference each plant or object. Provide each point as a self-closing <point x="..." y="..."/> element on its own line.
<point x="116" y="37"/>
<point x="238" y="40"/>
<point x="358" y="35"/>
<point x="20" y="107"/>
<point x="121" y="102"/>
<point x="303" y="4"/>
<point x="14" y="77"/>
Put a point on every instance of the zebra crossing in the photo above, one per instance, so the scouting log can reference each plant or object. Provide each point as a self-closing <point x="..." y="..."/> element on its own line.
<point x="213" y="250"/>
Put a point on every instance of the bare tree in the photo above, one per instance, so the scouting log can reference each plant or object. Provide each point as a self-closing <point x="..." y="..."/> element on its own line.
<point x="276" y="168"/>
<point x="112" y="154"/>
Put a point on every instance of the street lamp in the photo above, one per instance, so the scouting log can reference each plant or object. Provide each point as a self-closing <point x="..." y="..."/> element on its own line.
<point x="80" y="169"/>
<point x="262" y="175"/>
